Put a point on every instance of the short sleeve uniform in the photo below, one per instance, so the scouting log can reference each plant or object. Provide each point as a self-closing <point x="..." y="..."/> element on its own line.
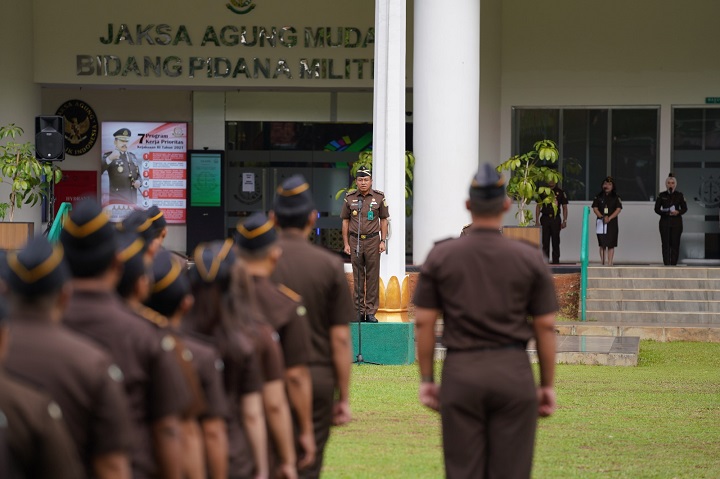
<point x="80" y="377"/>
<point x="607" y="204"/>
<point x="38" y="443"/>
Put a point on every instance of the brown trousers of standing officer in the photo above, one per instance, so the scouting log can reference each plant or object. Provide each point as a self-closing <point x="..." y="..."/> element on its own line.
<point x="366" y="273"/>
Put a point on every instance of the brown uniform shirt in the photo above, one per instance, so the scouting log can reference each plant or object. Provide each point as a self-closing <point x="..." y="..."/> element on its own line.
<point x="152" y="377"/>
<point x="269" y="353"/>
<point x="80" y="377"/>
<point x="486" y="286"/>
<point x="282" y="309"/>
<point x="367" y="218"/>
<point x="318" y="277"/>
<point x="38" y="442"/>
<point x="209" y="366"/>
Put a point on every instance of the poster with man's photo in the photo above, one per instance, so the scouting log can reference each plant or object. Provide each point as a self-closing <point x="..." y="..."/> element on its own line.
<point x="144" y="164"/>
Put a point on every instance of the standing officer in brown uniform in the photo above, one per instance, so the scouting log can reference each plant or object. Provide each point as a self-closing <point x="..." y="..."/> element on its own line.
<point x="153" y="381"/>
<point x="364" y="229"/>
<point x="282" y="309"/>
<point x="122" y="169"/>
<point x="34" y="440"/>
<point x="318" y="277"/>
<point x="486" y="287"/>
<point x="77" y="374"/>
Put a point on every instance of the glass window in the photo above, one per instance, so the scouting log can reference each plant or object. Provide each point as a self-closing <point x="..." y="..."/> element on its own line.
<point x="594" y="143"/>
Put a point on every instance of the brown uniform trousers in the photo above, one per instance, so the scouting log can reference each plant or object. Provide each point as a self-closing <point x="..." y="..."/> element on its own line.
<point x="366" y="271"/>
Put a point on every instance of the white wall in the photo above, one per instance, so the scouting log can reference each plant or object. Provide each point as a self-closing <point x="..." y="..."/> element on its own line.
<point x="644" y="52"/>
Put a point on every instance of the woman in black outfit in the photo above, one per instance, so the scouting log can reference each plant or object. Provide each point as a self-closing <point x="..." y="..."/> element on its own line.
<point x="670" y="205"/>
<point x="607" y="206"/>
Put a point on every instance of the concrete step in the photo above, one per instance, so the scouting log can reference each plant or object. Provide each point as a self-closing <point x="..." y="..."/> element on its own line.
<point x="653" y="317"/>
<point x="653" y="283"/>
<point x="675" y="306"/>
<point x="655" y="294"/>
<point x="653" y="272"/>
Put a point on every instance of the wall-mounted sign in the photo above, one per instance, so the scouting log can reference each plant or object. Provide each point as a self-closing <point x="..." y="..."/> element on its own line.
<point x="81" y="126"/>
<point x="712" y="99"/>
<point x="144" y="164"/>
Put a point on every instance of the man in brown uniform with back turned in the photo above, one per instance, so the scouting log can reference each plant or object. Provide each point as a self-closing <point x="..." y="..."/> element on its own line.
<point x="364" y="230"/>
<point x="486" y="287"/>
<point x="319" y="278"/>
<point x="153" y="381"/>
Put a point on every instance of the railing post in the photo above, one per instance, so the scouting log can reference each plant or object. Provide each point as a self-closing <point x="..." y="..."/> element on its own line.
<point x="584" y="262"/>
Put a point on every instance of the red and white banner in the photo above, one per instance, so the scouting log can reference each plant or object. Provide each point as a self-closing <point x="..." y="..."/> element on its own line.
<point x="144" y="164"/>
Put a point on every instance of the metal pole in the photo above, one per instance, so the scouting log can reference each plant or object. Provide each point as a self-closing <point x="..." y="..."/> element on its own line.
<point x="584" y="262"/>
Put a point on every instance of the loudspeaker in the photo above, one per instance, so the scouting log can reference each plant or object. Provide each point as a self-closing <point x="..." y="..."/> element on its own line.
<point x="50" y="138"/>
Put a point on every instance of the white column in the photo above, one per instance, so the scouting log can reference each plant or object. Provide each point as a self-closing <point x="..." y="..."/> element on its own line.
<point x="446" y="85"/>
<point x="389" y="127"/>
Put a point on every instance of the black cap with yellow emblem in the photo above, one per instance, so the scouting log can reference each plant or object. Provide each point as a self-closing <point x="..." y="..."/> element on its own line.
<point x="363" y="171"/>
<point x="122" y="134"/>
<point x="255" y="233"/>
<point x="89" y="240"/>
<point x="170" y="284"/>
<point x="138" y="222"/>
<point x="487" y="183"/>
<point x="157" y="220"/>
<point x="293" y="197"/>
<point x="36" y="270"/>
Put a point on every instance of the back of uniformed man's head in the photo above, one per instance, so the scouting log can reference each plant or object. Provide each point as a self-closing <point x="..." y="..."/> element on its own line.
<point x="36" y="271"/>
<point x="293" y="202"/>
<point x="255" y="237"/>
<point x="89" y="240"/>
<point x="487" y="192"/>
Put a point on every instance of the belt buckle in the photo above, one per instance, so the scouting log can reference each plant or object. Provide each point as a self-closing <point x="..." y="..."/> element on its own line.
<point x="363" y="236"/>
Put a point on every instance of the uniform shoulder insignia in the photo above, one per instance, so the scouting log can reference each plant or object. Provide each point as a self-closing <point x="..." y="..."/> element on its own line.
<point x="153" y="316"/>
<point x="350" y="191"/>
<point x="289" y="293"/>
<point x="379" y="192"/>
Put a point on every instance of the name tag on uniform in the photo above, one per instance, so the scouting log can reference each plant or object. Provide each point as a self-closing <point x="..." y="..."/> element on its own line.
<point x="370" y="215"/>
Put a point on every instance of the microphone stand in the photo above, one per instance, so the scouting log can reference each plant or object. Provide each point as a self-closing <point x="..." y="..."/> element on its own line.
<point x="359" y="358"/>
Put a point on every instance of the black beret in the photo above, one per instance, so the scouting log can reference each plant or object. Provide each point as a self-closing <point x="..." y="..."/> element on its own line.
<point x="130" y="251"/>
<point x="487" y="183"/>
<point x="36" y="270"/>
<point x="293" y="197"/>
<point x="122" y="133"/>
<point x="213" y="262"/>
<point x="363" y="171"/>
<point x="609" y="179"/>
<point x="170" y="284"/>
<point x="88" y="238"/>
<point x="138" y="222"/>
<point x="157" y="220"/>
<point x="256" y="232"/>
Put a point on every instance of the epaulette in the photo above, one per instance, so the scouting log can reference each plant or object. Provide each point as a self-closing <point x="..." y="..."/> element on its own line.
<point x="350" y="191"/>
<point x="153" y="316"/>
<point x="379" y="192"/>
<point x="289" y="293"/>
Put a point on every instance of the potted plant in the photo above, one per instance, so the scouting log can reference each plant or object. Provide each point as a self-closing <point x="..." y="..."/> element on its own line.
<point x="528" y="172"/>
<point x="29" y="180"/>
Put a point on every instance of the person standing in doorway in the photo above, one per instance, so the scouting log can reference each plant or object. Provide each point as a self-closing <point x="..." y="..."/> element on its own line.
<point x="552" y="221"/>
<point x="607" y="206"/>
<point x="670" y="205"/>
<point x="489" y="402"/>
<point x="364" y="229"/>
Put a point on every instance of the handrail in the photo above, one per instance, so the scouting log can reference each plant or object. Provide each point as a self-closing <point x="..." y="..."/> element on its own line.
<point x="63" y="211"/>
<point x="584" y="262"/>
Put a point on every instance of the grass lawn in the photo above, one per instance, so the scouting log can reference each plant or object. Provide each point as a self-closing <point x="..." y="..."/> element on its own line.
<point x="660" y="419"/>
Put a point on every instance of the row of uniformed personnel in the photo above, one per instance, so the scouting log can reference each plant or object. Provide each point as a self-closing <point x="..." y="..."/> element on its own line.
<point x="118" y="363"/>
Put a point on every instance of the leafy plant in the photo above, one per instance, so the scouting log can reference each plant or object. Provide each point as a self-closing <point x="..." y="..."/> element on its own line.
<point x="30" y="179"/>
<point x="365" y="159"/>
<point x="527" y="172"/>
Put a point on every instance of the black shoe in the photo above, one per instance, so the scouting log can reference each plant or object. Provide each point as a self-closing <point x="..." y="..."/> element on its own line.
<point x="370" y="318"/>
